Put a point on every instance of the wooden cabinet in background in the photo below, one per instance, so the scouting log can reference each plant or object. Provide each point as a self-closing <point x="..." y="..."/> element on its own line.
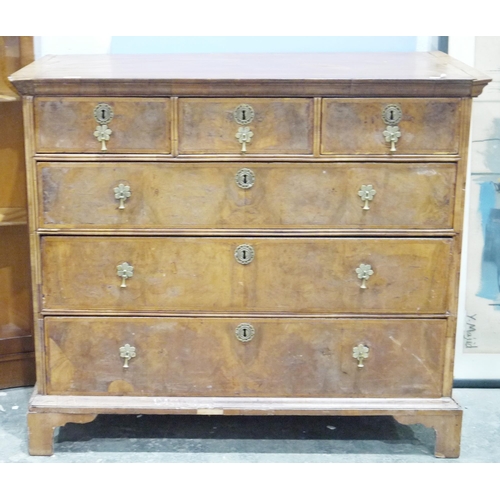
<point x="17" y="364"/>
<point x="255" y="234"/>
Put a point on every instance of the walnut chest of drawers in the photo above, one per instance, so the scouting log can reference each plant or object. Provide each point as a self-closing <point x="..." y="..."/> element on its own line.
<point x="246" y="234"/>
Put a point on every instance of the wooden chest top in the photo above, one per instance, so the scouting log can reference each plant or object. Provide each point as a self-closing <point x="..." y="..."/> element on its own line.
<point x="326" y="74"/>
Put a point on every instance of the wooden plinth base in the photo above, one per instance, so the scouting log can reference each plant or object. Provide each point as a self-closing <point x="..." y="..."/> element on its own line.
<point x="48" y="412"/>
<point x="41" y="428"/>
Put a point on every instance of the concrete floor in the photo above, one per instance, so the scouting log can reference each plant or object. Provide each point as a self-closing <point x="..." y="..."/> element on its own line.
<point x="188" y="439"/>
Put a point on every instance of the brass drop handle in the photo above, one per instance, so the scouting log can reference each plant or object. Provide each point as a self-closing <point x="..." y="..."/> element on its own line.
<point x="124" y="271"/>
<point x="244" y="135"/>
<point x="127" y="352"/>
<point x="364" y="271"/>
<point x="103" y="133"/>
<point x="366" y="193"/>
<point x="392" y="134"/>
<point x="103" y="114"/>
<point x="360" y="352"/>
<point x="122" y="192"/>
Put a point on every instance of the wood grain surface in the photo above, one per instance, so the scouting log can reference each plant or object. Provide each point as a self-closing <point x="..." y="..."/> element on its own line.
<point x="12" y="173"/>
<point x="286" y="357"/>
<point x="68" y="125"/>
<point x="193" y="195"/>
<point x="15" y="293"/>
<point x="280" y="126"/>
<point x="355" y="126"/>
<point x="390" y="74"/>
<point x="287" y="275"/>
<point x="17" y="366"/>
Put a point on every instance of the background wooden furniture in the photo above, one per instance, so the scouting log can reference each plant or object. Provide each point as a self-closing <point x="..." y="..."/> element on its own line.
<point x="189" y="257"/>
<point x="17" y="363"/>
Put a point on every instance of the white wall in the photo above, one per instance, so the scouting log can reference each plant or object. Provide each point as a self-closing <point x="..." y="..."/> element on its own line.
<point x="469" y="365"/>
<point x="45" y="45"/>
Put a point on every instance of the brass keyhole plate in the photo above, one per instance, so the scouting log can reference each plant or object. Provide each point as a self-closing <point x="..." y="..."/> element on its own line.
<point x="392" y="114"/>
<point x="103" y="113"/>
<point x="244" y="254"/>
<point x="243" y="114"/>
<point x="245" y="332"/>
<point x="245" y="178"/>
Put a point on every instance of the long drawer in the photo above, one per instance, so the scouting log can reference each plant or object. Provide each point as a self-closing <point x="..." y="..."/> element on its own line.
<point x="276" y="275"/>
<point x="231" y="196"/>
<point x="285" y="357"/>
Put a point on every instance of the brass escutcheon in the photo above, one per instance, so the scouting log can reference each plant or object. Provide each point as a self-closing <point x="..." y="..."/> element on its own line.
<point x="360" y="352"/>
<point x="245" y="332"/>
<point x="364" y="271"/>
<point x="244" y="254"/>
<point x="103" y="113"/>
<point x="122" y="192"/>
<point x="243" y="114"/>
<point x="127" y="352"/>
<point x="124" y="271"/>
<point x="245" y="178"/>
<point x="392" y="114"/>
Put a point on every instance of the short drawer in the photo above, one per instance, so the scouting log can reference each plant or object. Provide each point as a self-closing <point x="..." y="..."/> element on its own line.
<point x="72" y="125"/>
<point x="245" y="126"/>
<point x="219" y="275"/>
<point x="285" y="357"/>
<point x="210" y="196"/>
<point x="366" y="126"/>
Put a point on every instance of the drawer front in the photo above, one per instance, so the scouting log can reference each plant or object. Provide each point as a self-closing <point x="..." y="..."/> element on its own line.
<point x="221" y="196"/>
<point x="286" y="275"/>
<point x="68" y="125"/>
<point x="285" y="357"/>
<point x="277" y="126"/>
<point x="357" y="126"/>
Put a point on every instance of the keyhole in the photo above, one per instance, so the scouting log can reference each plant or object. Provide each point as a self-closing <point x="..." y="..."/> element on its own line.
<point x="244" y="332"/>
<point x="245" y="179"/>
<point x="244" y="254"/>
<point x="103" y="114"/>
<point x="392" y="115"/>
<point x="243" y="118"/>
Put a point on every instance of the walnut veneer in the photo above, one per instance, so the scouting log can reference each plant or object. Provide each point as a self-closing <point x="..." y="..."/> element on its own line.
<point x="301" y="257"/>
